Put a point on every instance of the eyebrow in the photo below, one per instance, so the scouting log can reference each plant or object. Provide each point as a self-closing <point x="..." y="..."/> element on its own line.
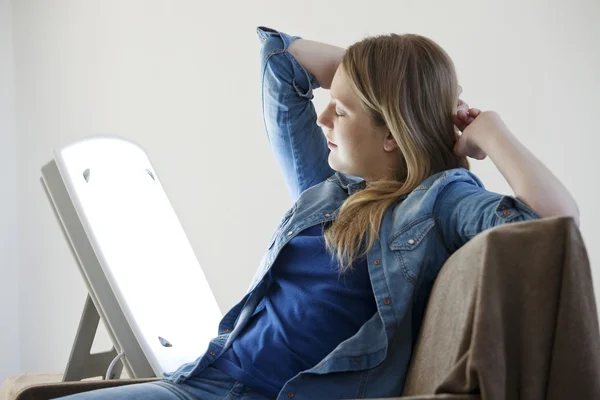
<point x="337" y="100"/>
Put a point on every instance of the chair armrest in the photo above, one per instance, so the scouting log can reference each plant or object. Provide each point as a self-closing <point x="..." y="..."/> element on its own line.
<point x="444" y="396"/>
<point x="45" y="391"/>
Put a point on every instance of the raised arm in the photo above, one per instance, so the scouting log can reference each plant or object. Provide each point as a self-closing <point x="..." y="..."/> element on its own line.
<point x="533" y="183"/>
<point x="464" y="208"/>
<point x="319" y="59"/>
<point x="289" y="115"/>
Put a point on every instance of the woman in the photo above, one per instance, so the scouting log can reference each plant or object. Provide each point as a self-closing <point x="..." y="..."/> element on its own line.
<point x="381" y="200"/>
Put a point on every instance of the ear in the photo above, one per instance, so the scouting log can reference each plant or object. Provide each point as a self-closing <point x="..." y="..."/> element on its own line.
<point x="389" y="143"/>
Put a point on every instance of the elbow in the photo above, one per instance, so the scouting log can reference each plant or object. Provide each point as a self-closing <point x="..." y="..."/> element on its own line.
<point x="572" y="214"/>
<point x="571" y="211"/>
<point x="574" y="217"/>
<point x="575" y="214"/>
<point x="554" y="209"/>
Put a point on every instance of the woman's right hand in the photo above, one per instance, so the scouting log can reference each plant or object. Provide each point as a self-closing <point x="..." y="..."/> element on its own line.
<point x="464" y="115"/>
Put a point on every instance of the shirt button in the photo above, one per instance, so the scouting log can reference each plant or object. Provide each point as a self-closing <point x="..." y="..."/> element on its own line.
<point x="328" y="215"/>
<point x="377" y="262"/>
<point x="225" y="330"/>
<point x="506" y="213"/>
<point x="411" y="241"/>
<point x="290" y="394"/>
<point x="387" y="301"/>
<point x="290" y="233"/>
<point x="212" y="353"/>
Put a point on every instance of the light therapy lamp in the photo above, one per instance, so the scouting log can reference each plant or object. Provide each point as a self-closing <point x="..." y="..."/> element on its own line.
<point x="143" y="278"/>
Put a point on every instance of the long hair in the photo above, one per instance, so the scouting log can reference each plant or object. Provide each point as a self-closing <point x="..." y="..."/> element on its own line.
<point x="408" y="83"/>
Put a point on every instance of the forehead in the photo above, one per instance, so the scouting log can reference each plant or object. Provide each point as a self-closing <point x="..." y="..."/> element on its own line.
<point x="340" y="90"/>
<point x="339" y="80"/>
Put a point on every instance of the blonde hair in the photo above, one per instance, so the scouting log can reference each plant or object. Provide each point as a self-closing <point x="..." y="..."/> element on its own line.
<point x="408" y="83"/>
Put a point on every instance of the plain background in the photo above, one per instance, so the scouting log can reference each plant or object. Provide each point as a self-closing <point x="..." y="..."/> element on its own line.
<point x="181" y="78"/>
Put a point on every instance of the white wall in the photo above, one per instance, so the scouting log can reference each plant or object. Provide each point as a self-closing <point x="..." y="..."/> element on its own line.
<point x="9" y="282"/>
<point x="182" y="79"/>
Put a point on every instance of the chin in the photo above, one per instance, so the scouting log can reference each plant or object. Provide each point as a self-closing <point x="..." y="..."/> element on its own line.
<point x="334" y="165"/>
<point x="339" y="167"/>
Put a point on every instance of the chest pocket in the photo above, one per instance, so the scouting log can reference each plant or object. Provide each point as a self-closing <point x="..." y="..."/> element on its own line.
<point x="409" y="246"/>
<point x="282" y="224"/>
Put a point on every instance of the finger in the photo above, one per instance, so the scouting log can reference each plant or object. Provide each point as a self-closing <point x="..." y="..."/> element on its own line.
<point x="467" y="119"/>
<point x="474" y="112"/>
<point x="465" y="123"/>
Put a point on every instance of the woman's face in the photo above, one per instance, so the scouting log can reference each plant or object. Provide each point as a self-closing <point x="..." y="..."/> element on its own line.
<point x="356" y="148"/>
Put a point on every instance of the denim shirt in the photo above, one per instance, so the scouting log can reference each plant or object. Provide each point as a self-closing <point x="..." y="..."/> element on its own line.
<point x="418" y="233"/>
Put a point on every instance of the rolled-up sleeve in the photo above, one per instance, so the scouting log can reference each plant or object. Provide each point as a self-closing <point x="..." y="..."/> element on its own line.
<point x="289" y="115"/>
<point x="463" y="209"/>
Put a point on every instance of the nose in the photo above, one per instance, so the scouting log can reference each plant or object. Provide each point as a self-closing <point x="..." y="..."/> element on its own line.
<point x="323" y="121"/>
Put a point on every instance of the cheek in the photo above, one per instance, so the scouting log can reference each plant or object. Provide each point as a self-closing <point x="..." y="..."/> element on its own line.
<point x="351" y="135"/>
<point x="350" y="150"/>
<point x="354" y="139"/>
<point x="346" y="134"/>
<point x="361" y="148"/>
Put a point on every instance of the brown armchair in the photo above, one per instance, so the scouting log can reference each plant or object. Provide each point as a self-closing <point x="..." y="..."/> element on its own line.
<point x="512" y="315"/>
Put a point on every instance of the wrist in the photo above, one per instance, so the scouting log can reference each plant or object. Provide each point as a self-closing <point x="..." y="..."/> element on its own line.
<point x="492" y="140"/>
<point x="496" y="136"/>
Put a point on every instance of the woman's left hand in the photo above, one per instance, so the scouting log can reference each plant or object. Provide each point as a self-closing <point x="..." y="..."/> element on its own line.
<point x="465" y="144"/>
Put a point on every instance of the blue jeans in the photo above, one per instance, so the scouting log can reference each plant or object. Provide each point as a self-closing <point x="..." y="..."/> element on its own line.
<point x="210" y="384"/>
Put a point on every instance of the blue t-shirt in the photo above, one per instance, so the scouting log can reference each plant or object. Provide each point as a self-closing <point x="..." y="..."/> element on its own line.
<point x="307" y="311"/>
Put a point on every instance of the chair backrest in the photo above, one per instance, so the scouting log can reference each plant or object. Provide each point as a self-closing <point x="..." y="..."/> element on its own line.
<point x="512" y="314"/>
<point x="133" y="253"/>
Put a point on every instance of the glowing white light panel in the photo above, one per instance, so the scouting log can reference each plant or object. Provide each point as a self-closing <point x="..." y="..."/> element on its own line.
<point x="142" y="248"/>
